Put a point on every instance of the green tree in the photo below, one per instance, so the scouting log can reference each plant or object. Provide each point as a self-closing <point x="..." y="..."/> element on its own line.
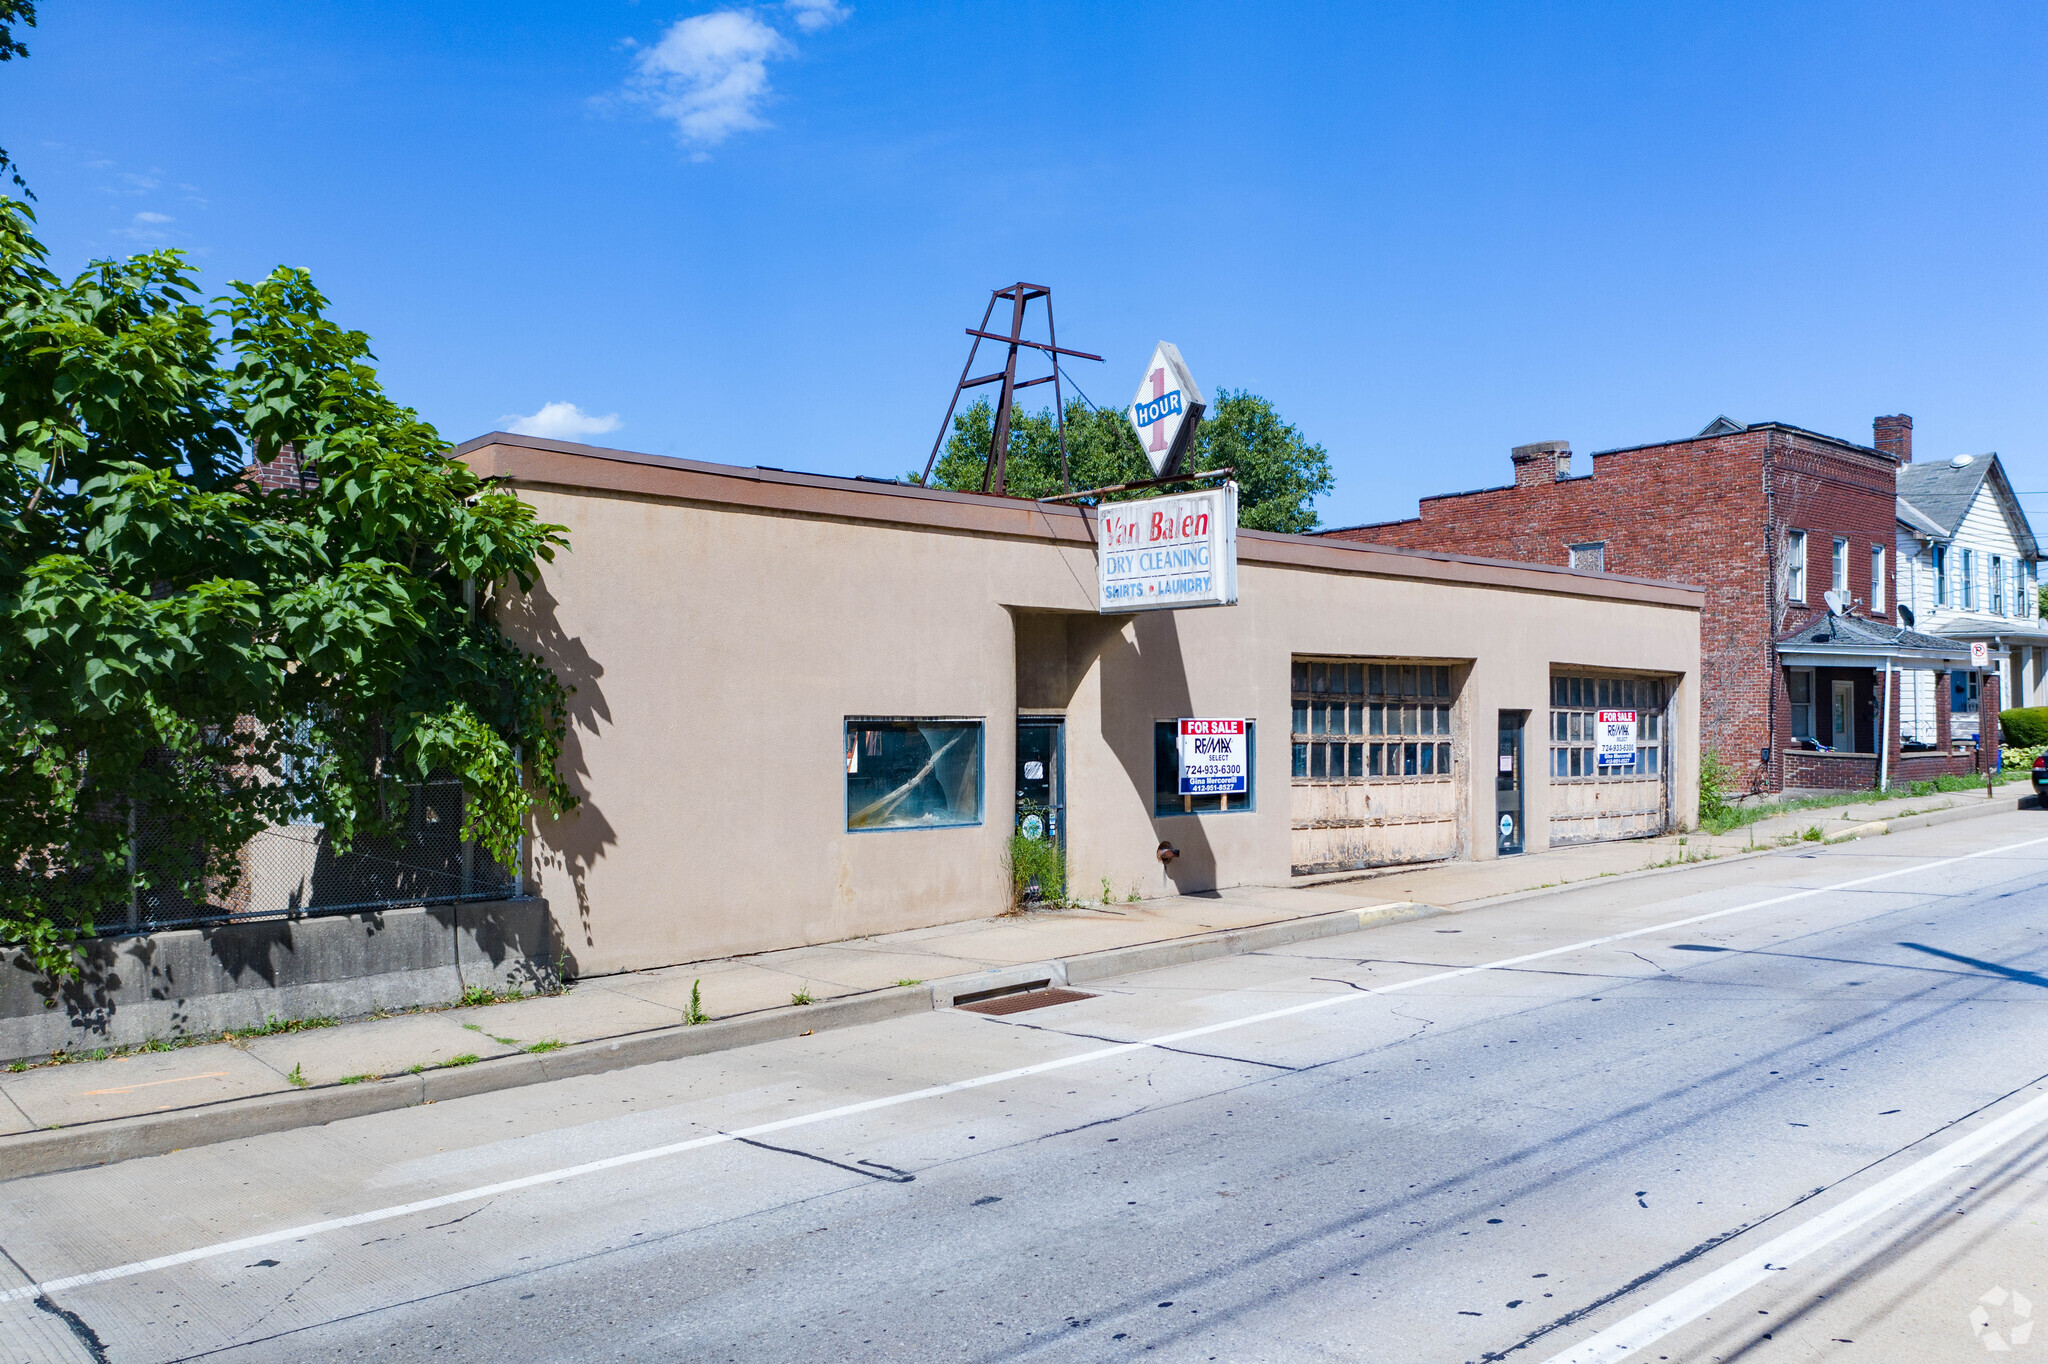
<point x="14" y="12"/>
<point x="1279" y="473"/>
<point x="179" y="646"/>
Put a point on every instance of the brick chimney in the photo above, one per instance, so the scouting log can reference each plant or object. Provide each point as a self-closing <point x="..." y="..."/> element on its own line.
<point x="1545" y="461"/>
<point x="1894" y="436"/>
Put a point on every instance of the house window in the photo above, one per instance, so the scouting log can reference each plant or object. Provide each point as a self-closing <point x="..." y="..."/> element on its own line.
<point x="1795" y="564"/>
<point x="912" y="774"/>
<point x="1574" y="705"/>
<point x="1590" y="556"/>
<point x="1841" y="565"/>
<point x="1877" y="577"/>
<point x="1799" y="687"/>
<point x="1966" y="595"/>
<point x="1360" y="722"/>
<point x="1166" y="796"/>
<point x="1938" y="556"/>
<point x="1997" y="585"/>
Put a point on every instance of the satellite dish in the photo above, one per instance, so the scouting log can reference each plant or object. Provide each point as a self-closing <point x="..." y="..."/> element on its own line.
<point x="1837" y="600"/>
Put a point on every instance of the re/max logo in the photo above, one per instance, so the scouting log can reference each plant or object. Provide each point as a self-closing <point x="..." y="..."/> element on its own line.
<point x="1159" y="409"/>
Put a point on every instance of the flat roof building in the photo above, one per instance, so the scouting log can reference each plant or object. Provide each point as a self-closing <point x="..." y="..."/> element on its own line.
<point x="810" y="708"/>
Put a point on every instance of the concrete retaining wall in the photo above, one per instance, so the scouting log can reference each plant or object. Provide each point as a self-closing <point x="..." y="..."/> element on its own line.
<point x="191" y="982"/>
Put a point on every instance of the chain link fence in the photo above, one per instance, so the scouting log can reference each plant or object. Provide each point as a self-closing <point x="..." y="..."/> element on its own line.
<point x="294" y="869"/>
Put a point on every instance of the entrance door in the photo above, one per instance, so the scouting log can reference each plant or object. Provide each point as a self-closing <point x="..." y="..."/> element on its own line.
<point x="1041" y="780"/>
<point x="1507" y="785"/>
<point x="1842" y="731"/>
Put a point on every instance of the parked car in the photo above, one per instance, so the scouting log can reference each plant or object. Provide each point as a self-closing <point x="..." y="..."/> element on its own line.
<point x="2041" y="779"/>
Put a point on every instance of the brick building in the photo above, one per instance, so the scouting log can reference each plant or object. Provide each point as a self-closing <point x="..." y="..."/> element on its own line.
<point x="1767" y="517"/>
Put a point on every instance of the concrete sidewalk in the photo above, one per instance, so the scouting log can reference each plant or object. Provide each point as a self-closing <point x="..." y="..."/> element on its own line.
<point x="56" y="1115"/>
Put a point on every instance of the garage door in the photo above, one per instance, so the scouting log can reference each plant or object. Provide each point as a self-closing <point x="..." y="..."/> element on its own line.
<point x="1593" y="801"/>
<point x="1375" y="744"/>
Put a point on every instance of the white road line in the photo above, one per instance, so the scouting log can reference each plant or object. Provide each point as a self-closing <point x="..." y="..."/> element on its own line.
<point x="271" y="1238"/>
<point x="1702" y="1296"/>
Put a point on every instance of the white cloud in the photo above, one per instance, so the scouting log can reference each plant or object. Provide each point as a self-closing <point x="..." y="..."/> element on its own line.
<point x="561" y="421"/>
<point x="812" y="15"/>
<point x="709" y="74"/>
<point x="145" y="227"/>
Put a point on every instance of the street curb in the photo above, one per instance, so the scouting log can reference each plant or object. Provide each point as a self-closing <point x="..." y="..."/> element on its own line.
<point x="97" y="1143"/>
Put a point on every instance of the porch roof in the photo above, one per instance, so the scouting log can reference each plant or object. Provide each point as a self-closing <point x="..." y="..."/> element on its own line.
<point x="1852" y="642"/>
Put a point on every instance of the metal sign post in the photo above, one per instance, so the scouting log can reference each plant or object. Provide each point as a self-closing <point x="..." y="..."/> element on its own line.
<point x="994" y="473"/>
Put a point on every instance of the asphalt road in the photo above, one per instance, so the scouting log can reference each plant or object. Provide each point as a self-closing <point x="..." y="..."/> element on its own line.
<point x="1505" y="1163"/>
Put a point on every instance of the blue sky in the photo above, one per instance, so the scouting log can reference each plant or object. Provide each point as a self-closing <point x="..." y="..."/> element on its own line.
<point x="1426" y="232"/>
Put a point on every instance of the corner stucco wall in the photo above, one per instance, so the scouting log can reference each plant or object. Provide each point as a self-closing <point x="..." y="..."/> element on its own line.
<point x="716" y="651"/>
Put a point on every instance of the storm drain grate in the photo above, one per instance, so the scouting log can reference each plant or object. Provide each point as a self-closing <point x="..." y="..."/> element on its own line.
<point x="1024" y="999"/>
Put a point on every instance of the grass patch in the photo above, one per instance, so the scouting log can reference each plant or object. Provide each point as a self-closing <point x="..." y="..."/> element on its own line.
<point x="1038" y="872"/>
<point x="907" y="981"/>
<point x="546" y="1044"/>
<point x="1741" y="816"/>
<point x="468" y="1058"/>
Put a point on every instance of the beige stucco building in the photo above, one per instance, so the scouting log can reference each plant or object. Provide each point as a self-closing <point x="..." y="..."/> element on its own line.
<point x="808" y="708"/>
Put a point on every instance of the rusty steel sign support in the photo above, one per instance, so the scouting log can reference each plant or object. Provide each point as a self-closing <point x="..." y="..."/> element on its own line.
<point x="1018" y="296"/>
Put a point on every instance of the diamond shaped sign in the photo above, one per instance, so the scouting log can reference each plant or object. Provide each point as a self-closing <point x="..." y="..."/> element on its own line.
<point x="1167" y="410"/>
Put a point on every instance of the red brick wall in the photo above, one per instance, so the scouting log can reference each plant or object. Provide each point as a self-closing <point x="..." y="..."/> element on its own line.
<point x="1712" y="513"/>
<point x="284" y="473"/>
<point x="1831" y="771"/>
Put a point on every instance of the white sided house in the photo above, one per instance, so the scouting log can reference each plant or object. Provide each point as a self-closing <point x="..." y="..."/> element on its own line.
<point x="1969" y="570"/>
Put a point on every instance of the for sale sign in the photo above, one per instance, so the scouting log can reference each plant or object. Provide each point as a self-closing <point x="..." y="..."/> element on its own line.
<point x="1214" y="760"/>
<point x="1614" y="736"/>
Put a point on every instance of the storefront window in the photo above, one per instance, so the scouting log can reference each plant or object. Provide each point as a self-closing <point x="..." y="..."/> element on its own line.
<point x="912" y="774"/>
<point x="1166" y="796"/>
<point x="1356" y="722"/>
<point x="1575" y="704"/>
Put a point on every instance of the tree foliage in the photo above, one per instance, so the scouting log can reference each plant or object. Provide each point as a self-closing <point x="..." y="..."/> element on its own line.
<point x="1279" y="473"/>
<point x="177" y="644"/>
<point x="13" y="12"/>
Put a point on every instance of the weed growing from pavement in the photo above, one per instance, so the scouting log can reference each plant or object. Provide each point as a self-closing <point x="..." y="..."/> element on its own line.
<point x="802" y="996"/>
<point x="358" y="1079"/>
<point x="546" y="1044"/>
<point x="468" y="1058"/>
<point x="297" y="1079"/>
<point x="907" y="981"/>
<point x="1812" y="834"/>
<point x="695" y="1013"/>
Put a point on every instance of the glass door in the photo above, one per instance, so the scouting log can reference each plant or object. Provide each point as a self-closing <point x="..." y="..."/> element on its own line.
<point x="1507" y="784"/>
<point x="1041" y="778"/>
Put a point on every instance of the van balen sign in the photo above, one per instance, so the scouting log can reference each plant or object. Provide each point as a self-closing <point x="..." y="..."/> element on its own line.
<point x="1165" y="552"/>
